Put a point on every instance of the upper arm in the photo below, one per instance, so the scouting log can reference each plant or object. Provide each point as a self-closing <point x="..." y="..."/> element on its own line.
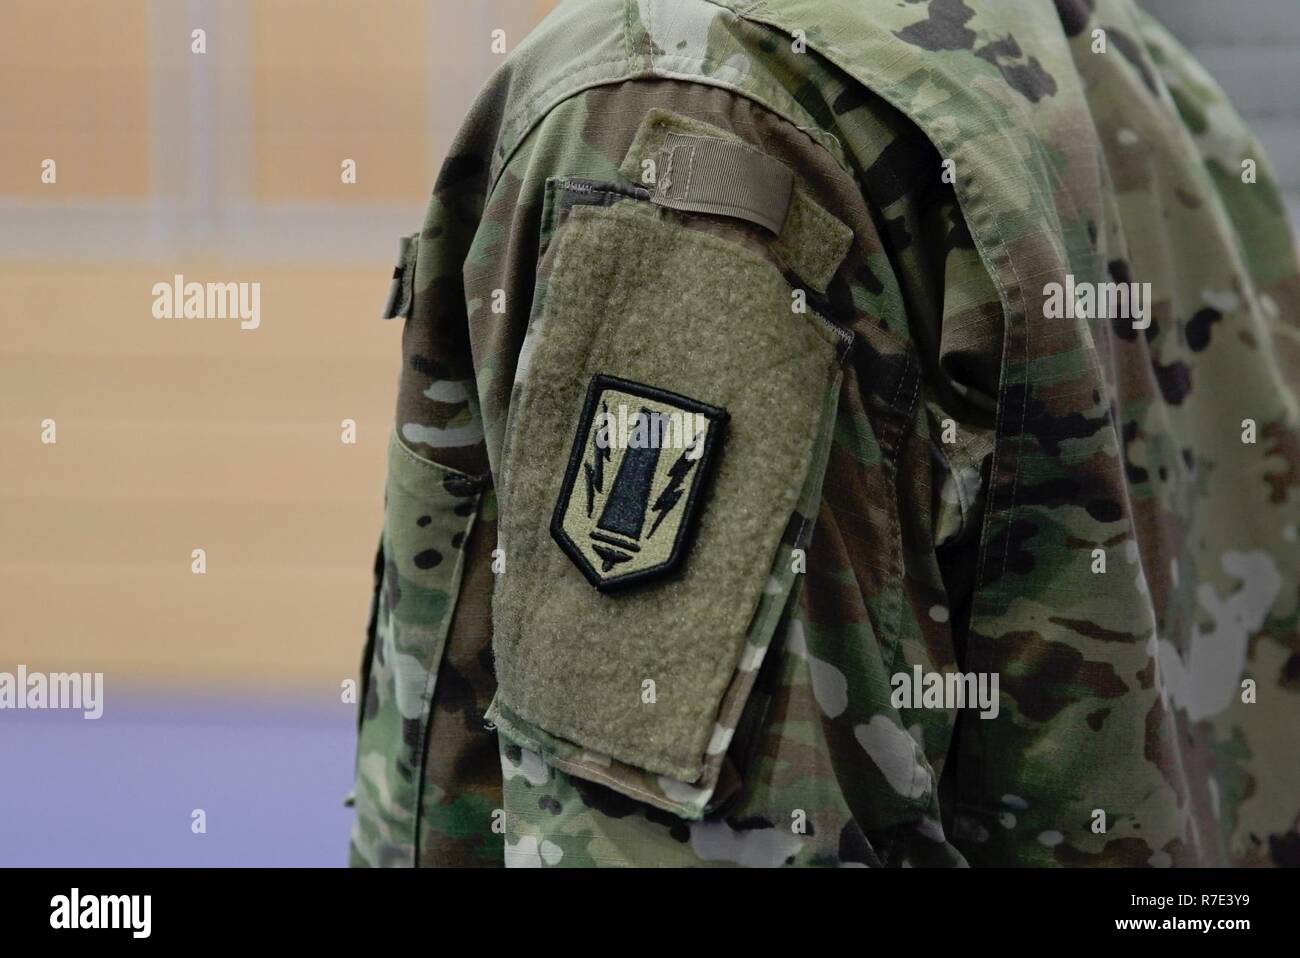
<point x="645" y="724"/>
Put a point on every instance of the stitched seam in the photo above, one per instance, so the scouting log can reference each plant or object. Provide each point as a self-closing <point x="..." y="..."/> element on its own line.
<point x="962" y="506"/>
<point x="454" y="584"/>
<point x="627" y="29"/>
<point x="921" y="802"/>
<point x="649" y="35"/>
<point x="902" y="571"/>
<point x="472" y="483"/>
<point x="724" y="209"/>
<point x="599" y="775"/>
<point x="898" y="387"/>
<point x="895" y="529"/>
<point x="603" y="192"/>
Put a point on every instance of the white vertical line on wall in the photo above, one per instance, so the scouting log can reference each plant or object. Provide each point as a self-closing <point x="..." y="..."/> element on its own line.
<point x="234" y="181"/>
<point x="161" y="217"/>
<point x="202" y="104"/>
<point x="202" y="154"/>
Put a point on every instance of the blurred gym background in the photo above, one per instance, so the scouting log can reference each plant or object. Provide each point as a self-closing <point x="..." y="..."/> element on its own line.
<point x="223" y="690"/>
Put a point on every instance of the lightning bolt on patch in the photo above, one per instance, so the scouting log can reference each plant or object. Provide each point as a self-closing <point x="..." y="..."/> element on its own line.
<point x="641" y="455"/>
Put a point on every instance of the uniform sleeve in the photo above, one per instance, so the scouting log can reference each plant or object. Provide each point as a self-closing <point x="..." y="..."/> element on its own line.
<point x="427" y="774"/>
<point x="669" y="497"/>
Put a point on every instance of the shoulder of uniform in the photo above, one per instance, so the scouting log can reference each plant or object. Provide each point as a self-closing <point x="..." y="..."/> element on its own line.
<point x="584" y="44"/>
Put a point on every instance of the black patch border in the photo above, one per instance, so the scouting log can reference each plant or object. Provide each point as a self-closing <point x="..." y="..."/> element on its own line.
<point x="718" y="418"/>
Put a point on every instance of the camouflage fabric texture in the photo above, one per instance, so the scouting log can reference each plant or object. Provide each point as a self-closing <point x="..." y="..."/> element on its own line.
<point x="1016" y="475"/>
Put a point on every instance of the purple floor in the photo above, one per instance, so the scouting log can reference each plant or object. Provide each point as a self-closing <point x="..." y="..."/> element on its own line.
<point x="270" y="775"/>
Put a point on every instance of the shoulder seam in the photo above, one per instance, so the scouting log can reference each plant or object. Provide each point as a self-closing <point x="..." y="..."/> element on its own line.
<point x="527" y="116"/>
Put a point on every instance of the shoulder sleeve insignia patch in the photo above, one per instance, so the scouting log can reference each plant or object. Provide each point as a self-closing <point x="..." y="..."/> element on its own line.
<point x="640" y="459"/>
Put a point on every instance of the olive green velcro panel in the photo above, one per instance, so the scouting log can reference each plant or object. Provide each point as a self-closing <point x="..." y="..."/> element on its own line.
<point x="813" y="243"/>
<point x="740" y="181"/>
<point x="638" y="675"/>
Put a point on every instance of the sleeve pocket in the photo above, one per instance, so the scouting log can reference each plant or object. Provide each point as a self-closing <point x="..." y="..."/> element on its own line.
<point x="428" y="512"/>
<point x="642" y="688"/>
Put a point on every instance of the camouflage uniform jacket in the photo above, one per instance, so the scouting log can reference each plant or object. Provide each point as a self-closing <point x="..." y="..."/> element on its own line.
<point x="972" y="322"/>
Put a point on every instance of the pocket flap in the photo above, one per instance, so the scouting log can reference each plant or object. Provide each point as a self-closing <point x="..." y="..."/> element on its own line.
<point x="429" y="511"/>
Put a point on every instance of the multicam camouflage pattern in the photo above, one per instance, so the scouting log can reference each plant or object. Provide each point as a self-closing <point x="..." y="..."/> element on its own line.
<point x="428" y="512"/>
<point x="1078" y="445"/>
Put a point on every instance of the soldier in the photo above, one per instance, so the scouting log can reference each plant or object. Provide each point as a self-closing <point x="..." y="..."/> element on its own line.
<point x="978" y="544"/>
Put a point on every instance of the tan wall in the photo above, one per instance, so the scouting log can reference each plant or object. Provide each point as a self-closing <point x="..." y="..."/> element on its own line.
<point x="178" y="434"/>
<point x="73" y="96"/>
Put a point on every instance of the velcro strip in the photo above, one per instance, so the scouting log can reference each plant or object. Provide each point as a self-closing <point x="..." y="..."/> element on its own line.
<point x="703" y="174"/>
<point x="398" y="302"/>
<point x="741" y="181"/>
